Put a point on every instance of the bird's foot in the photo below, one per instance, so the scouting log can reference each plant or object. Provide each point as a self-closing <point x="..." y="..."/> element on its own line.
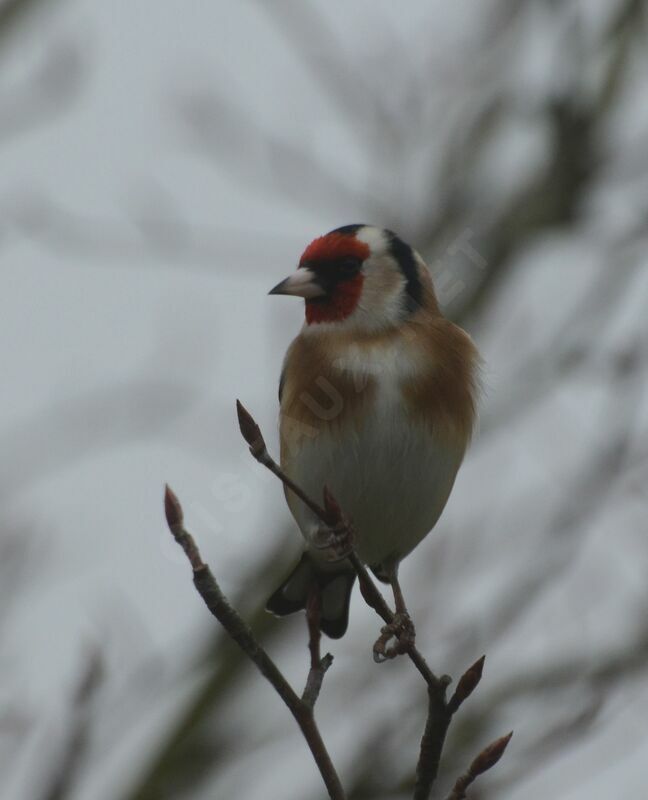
<point x="338" y="540"/>
<point x="401" y="631"/>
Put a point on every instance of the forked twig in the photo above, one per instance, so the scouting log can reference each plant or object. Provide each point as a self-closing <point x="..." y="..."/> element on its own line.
<point x="440" y="710"/>
<point x="217" y="603"/>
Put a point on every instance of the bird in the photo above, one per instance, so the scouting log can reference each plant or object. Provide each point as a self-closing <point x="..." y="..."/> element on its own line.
<point x="378" y="396"/>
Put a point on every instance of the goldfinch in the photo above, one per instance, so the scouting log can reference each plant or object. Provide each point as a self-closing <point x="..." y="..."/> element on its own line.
<point x="377" y="395"/>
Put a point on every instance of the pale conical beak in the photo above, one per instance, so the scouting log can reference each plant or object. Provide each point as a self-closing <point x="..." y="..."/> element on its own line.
<point x="302" y="283"/>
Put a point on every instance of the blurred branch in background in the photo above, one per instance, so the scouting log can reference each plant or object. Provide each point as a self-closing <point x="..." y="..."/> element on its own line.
<point x="14" y="13"/>
<point x="73" y="750"/>
<point x="51" y="87"/>
<point x="23" y="556"/>
<point x="48" y="92"/>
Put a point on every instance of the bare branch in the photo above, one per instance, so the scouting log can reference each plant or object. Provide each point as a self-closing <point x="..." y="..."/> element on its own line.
<point x="235" y="626"/>
<point x="440" y="711"/>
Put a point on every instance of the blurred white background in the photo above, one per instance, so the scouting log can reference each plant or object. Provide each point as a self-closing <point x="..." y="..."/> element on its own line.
<point x="161" y="168"/>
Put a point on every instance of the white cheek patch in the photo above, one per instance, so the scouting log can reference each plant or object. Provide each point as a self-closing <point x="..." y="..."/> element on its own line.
<point x="381" y="303"/>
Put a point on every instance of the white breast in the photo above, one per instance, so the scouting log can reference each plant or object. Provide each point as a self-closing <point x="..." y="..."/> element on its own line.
<point x="391" y="476"/>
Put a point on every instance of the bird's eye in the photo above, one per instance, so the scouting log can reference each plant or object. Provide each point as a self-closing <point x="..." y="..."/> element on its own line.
<point x="349" y="266"/>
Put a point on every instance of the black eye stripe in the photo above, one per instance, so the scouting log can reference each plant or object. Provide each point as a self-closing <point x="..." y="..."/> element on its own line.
<point x="330" y="272"/>
<point x="349" y="264"/>
<point x="322" y="265"/>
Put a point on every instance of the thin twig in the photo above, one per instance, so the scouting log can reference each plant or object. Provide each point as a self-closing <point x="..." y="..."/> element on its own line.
<point x="488" y="757"/>
<point x="440" y="711"/>
<point x="219" y="606"/>
<point x="318" y="665"/>
<point x="314" y="680"/>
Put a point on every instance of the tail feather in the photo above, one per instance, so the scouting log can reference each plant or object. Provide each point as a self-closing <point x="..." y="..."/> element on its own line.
<point x="335" y="589"/>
